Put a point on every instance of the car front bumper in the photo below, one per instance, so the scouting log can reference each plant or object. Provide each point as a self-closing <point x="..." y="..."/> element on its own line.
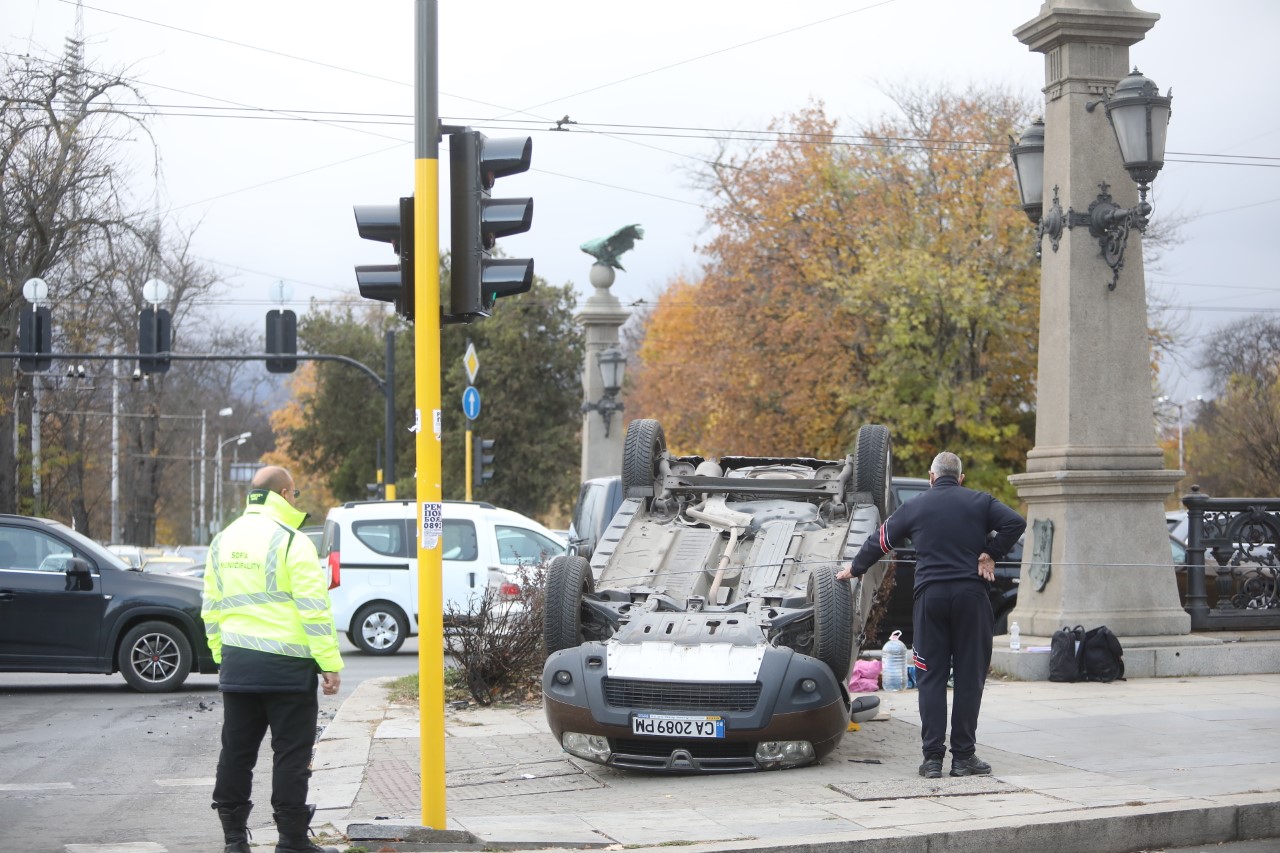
<point x="793" y="699"/>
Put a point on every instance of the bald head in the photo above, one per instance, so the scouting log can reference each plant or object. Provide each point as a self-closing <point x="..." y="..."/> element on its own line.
<point x="273" y="478"/>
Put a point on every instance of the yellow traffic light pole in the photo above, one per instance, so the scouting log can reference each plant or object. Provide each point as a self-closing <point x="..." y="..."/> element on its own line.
<point x="426" y="218"/>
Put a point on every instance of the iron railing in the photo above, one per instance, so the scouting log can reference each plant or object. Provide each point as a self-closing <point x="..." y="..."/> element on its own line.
<point x="1241" y="535"/>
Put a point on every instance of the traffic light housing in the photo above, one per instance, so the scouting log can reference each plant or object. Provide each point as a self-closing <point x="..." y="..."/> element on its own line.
<point x="155" y="333"/>
<point x="477" y="280"/>
<point x="35" y="335"/>
<point x="482" y="461"/>
<point x="388" y="223"/>
<point x="282" y="339"/>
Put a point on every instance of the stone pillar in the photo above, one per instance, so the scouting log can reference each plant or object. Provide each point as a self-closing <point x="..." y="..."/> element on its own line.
<point x="601" y="317"/>
<point x="1095" y="473"/>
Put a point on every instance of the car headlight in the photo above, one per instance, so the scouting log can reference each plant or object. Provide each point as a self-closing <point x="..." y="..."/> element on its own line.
<point x="784" y="753"/>
<point x="590" y="747"/>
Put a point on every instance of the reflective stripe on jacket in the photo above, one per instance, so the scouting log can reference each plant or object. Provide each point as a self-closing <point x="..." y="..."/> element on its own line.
<point x="264" y="588"/>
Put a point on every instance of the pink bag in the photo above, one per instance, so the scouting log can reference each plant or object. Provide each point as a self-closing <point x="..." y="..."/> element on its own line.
<point x="865" y="677"/>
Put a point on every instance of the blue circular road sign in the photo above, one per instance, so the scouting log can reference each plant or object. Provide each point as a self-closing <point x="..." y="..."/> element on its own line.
<point x="471" y="403"/>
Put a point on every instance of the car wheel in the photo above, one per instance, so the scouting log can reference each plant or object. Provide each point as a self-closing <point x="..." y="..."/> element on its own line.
<point x="379" y="629"/>
<point x="641" y="454"/>
<point x="154" y="657"/>
<point x="873" y="465"/>
<point x="568" y="580"/>
<point x="832" y="602"/>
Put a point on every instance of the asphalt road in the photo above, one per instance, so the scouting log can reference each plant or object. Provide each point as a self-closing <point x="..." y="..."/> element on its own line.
<point x="86" y="760"/>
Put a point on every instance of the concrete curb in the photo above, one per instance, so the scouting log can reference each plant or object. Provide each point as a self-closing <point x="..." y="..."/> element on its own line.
<point x="1105" y="830"/>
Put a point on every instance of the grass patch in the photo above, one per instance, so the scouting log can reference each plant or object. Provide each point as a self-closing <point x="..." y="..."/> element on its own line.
<point x="404" y="690"/>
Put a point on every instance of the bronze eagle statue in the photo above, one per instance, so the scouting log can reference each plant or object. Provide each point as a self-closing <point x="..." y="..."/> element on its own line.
<point x="607" y="250"/>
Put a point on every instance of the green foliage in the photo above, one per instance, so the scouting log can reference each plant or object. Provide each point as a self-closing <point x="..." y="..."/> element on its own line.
<point x="344" y="417"/>
<point x="530" y="353"/>
<point x="530" y="384"/>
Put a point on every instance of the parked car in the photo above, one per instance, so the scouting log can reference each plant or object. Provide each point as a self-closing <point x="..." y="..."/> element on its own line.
<point x="598" y="502"/>
<point x="897" y="616"/>
<point x="174" y="565"/>
<point x="67" y="604"/>
<point x="708" y="632"/>
<point x="130" y="555"/>
<point x="197" y="553"/>
<point x="372" y="547"/>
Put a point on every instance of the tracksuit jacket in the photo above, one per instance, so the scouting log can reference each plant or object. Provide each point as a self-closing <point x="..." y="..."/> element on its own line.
<point x="266" y="602"/>
<point x="948" y="527"/>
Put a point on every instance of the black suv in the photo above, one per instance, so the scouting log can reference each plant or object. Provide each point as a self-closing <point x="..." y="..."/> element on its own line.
<point x="897" y="615"/>
<point x="69" y="605"/>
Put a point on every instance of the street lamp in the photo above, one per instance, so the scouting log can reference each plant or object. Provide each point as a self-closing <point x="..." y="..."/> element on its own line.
<point x="224" y="412"/>
<point x="1139" y="116"/>
<point x="612" y="364"/>
<point x="217" y="480"/>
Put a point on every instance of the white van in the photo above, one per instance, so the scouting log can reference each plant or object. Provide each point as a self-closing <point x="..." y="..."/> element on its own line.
<point x="371" y="551"/>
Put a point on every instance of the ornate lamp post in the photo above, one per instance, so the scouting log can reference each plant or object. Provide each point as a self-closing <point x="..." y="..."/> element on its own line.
<point x="612" y="364"/>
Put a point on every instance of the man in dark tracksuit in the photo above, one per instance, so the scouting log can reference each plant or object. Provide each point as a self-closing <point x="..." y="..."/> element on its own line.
<point x="948" y="526"/>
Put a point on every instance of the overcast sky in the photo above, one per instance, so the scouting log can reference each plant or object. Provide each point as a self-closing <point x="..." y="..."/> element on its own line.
<point x="649" y="85"/>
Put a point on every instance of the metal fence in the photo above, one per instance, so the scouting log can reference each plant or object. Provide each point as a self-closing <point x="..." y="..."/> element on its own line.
<point x="1235" y="539"/>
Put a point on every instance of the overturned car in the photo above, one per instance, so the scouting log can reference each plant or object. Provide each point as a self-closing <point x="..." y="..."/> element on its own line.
<point x="708" y="633"/>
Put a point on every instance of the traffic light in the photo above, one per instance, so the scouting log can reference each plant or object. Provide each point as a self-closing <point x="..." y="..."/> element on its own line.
<point x="482" y="460"/>
<point x="476" y="221"/>
<point x="35" y="335"/>
<point x="392" y="224"/>
<point x="154" y="336"/>
<point x="282" y="339"/>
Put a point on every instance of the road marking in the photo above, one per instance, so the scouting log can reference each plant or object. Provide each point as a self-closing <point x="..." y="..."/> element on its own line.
<point x="208" y="780"/>
<point x="125" y="847"/>
<point x="37" y="786"/>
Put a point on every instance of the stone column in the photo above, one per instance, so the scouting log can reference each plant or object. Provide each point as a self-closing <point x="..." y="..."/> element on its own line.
<point x="1095" y="473"/>
<point x="601" y="317"/>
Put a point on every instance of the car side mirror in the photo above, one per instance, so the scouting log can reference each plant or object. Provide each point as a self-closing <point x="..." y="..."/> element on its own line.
<point x="79" y="575"/>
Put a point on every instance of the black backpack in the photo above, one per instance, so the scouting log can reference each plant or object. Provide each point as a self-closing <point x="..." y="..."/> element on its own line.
<point x="1101" y="657"/>
<point x="1064" y="654"/>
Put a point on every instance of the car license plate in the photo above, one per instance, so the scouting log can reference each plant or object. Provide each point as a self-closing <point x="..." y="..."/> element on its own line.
<point x="665" y="725"/>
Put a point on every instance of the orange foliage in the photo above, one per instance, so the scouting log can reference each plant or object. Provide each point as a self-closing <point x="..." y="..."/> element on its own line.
<point x="891" y="280"/>
<point x="310" y="479"/>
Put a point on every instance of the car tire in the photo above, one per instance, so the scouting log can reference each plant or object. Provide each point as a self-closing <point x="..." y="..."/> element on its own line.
<point x="832" y="620"/>
<point x="154" y="657"/>
<point x="641" y="454"/>
<point x="873" y="465"/>
<point x="568" y="580"/>
<point x="379" y="629"/>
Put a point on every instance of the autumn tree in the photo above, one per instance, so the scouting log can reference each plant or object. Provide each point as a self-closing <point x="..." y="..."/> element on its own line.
<point x="886" y="277"/>
<point x="1233" y="449"/>
<point x="63" y="173"/>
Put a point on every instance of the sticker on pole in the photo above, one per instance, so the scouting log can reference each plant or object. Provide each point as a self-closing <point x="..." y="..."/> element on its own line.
<point x="432" y="525"/>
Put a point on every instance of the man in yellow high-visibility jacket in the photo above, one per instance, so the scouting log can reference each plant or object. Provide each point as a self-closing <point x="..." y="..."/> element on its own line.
<point x="266" y="613"/>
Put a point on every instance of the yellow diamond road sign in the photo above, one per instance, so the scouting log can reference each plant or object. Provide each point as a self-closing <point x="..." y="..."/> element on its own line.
<point x="471" y="362"/>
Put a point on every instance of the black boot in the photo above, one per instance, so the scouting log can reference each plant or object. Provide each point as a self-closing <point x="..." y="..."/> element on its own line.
<point x="294" y="824"/>
<point x="235" y="827"/>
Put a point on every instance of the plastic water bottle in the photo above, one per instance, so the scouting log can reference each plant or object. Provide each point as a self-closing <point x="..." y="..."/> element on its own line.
<point x="1015" y="642"/>
<point x="894" y="658"/>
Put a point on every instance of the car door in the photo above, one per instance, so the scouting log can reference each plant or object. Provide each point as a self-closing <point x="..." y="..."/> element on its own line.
<point x="464" y="575"/>
<point x="44" y="619"/>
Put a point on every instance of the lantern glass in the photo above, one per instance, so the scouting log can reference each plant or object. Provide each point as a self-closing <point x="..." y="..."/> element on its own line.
<point x="612" y="366"/>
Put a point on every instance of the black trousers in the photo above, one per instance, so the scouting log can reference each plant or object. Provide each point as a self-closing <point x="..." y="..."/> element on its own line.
<point x="245" y="720"/>
<point x="952" y="621"/>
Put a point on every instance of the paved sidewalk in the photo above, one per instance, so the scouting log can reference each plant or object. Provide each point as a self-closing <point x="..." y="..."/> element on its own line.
<point x="1078" y="767"/>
